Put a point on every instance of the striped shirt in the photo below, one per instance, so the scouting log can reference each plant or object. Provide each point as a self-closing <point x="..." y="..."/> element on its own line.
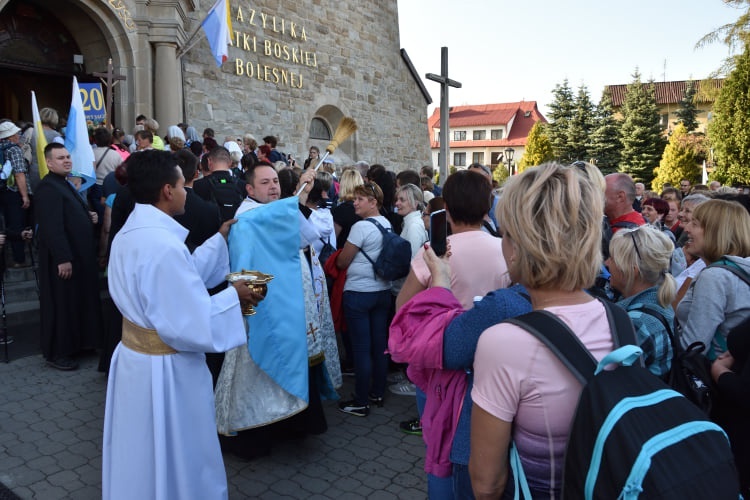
<point x="650" y="332"/>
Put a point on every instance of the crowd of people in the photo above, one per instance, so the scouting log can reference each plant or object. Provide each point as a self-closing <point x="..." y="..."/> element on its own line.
<point x="169" y="218"/>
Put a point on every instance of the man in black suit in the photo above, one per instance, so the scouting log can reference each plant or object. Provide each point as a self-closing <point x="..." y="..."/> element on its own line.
<point x="222" y="187"/>
<point x="201" y="217"/>
<point x="69" y="303"/>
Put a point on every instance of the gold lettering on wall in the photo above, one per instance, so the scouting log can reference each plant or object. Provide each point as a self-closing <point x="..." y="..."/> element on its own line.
<point x="285" y="45"/>
<point x="271" y="74"/>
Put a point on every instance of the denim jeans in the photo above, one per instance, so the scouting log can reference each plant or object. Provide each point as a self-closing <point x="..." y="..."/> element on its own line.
<point x="367" y="321"/>
<point x="438" y="488"/>
<point x="462" y="483"/>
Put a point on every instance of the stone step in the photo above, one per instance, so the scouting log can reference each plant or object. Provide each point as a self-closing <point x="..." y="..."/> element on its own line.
<point x="13" y="275"/>
<point x="21" y="291"/>
<point x="22" y="296"/>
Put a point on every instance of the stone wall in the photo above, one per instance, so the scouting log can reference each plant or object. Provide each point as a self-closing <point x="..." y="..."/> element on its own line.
<point x="311" y="58"/>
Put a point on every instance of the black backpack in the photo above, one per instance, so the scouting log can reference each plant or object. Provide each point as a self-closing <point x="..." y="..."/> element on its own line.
<point x="631" y="436"/>
<point x="227" y="194"/>
<point x="394" y="260"/>
<point x="690" y="372"/>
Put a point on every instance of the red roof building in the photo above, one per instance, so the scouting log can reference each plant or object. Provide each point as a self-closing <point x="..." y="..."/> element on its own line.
<point x="481" y="133"/>
<point x="669" y="96"/>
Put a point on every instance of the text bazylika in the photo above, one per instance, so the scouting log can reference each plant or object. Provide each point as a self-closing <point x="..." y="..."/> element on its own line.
<point x="286" y="46"/>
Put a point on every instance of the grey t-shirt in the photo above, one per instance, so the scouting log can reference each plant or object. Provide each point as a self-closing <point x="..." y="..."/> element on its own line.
<point x="360" y="276"/>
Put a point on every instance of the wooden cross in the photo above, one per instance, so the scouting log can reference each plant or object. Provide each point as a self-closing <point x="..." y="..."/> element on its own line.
<point x="312" y="331"/>
<point x="112" y="80"/>
<point x="445" y="83"/>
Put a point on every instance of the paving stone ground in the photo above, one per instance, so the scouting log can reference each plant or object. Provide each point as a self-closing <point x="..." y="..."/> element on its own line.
<point x="51" y="444"/>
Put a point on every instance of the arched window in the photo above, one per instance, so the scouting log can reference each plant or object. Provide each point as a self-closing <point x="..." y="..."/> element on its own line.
<point x="319" y="130"/>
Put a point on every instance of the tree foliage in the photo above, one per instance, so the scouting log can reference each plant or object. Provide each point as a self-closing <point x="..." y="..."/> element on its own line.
<point x="538" y="148"/>
<point x="640" y="133"/>
<point x="561" y="113"/>
<point x="687" y="112"/>
<point x="678" y="162"/>
<point x="606" y="148"/>
<point x="734" y="35"/>
<point x="581" y="126"/>
<point x="500" y="173"/>
<point x="729" y="130"/>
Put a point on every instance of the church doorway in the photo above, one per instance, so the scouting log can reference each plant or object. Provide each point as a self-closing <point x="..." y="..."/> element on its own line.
<point x="321" y="129"/>
<point x="39" y="52"/>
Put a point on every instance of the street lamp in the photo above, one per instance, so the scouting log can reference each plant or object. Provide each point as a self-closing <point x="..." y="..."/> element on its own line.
<point x="509" y="158"/>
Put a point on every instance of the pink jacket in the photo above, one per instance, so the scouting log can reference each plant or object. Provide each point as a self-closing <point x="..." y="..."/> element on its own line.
<point x="416" y="337"/>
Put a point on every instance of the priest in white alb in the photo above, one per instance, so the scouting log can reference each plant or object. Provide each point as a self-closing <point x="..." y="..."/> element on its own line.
<point x="160" y="438"/>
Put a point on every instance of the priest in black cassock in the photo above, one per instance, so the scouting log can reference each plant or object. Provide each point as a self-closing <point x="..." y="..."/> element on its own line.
<point x="68" y="271"/>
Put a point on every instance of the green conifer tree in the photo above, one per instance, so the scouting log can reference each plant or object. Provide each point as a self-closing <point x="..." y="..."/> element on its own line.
<point x="581" y="126"/>
<point x="561" y="113"/>
<point x="606" y="148"/>
<point x="729" y="130"/>
<point x="688" y="112"/>
<point x="640" y="133"/>
<point x="678" y="162"/>
<point x="538" y="148"/>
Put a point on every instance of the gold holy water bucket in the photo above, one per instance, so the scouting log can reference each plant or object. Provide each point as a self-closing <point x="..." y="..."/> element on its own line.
<point x="257" y="282"/>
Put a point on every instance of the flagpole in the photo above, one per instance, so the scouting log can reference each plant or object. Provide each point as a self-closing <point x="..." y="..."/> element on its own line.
<point x="188" y="45"/>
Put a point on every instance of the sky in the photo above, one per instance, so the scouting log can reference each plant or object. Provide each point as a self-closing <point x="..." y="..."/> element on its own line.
<point x="503" y="51"/>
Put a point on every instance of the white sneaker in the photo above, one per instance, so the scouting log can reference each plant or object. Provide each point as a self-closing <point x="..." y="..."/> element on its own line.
<point x="403" y="388"/>
<point x="396" y="377"/>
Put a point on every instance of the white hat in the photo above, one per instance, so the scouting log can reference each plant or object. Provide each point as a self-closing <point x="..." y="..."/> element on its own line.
<point x="232" y="146"/>
<point x="8" y="129"/>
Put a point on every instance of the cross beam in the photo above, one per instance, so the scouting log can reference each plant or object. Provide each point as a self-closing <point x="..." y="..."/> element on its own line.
<point x="445" y="83"/>
<point x="112" y="79"/>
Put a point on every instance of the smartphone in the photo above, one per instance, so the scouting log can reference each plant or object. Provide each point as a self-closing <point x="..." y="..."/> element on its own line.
<point x="439" y="232"/>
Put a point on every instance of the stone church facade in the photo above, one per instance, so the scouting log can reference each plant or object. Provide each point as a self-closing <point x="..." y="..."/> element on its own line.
<point x="295" y="68"/>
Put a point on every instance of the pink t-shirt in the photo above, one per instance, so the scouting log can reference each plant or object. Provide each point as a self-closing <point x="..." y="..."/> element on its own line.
<point x="518" y="379"/>
<point x="477" y="266"/>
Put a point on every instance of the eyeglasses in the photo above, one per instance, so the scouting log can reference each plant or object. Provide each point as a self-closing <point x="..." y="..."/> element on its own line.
<point x="580" y="166"/>
<point x="479" y="166"/>
<point x="635" y="244"/>
<point x="372" y="187"/>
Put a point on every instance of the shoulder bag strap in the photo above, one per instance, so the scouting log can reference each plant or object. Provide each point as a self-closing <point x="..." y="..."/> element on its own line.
<point x="382" y="230"/>
<point x="490" y="229"/>
<point x="546" y="327"/>
<point x="102" y="158"/>
<point x="676" y="348"/>
<point x="732" y="268"/>
<point x="556" y="335"/>
<point x="620" y="325"/>
<point x="651" y="311"/>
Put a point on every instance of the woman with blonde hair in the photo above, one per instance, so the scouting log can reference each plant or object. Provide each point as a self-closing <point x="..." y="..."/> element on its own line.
<point x="410" y="204"/>
<point x="249" y="143"/>
<point x="343" y="214"/>
<point x="551" y="222"/>
<point x="718" y="299"/>
<point x="153" y="126"/>
<point x="639" y="265"/>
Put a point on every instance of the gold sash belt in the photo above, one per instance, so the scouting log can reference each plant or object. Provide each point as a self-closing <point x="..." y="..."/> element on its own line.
<point x="143" y="340"/>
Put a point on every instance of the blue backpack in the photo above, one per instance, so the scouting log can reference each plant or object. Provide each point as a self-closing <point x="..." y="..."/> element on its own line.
<point x="394" y="260"/>
<point x="632" y="436"/>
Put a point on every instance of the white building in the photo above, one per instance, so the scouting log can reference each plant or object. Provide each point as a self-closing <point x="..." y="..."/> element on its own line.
<point x="482" y="133"/>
